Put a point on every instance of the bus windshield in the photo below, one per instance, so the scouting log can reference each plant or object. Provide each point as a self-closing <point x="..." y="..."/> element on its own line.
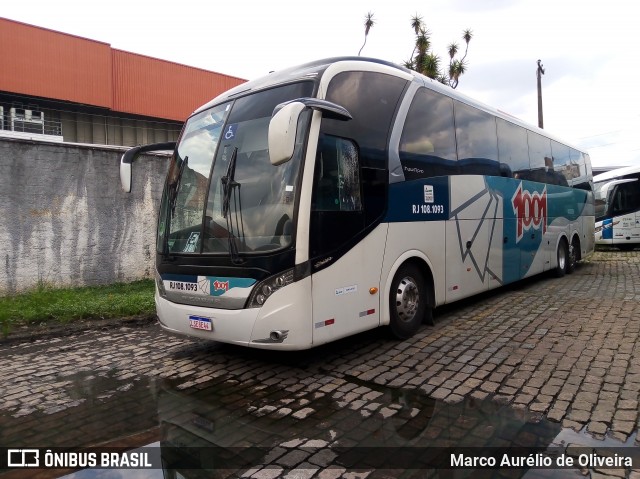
<point x="600" y="200"/>
<point x="618" y="195"/>
<point x="223" y="195"/>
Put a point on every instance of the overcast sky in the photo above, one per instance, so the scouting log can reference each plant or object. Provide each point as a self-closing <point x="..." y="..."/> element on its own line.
<point x="588" y="48"/>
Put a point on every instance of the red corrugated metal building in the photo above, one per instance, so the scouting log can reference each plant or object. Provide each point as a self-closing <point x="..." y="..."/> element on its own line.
<point x="86" y="91"/>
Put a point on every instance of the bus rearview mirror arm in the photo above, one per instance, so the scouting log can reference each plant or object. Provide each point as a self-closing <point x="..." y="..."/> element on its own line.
<point x="130" y="156"/>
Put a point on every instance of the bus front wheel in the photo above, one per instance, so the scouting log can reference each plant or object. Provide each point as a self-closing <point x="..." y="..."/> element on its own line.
<point x="407" y="301"/>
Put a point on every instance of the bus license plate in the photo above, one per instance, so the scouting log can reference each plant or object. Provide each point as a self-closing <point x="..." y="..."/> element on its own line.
<point x="198" y="322"/>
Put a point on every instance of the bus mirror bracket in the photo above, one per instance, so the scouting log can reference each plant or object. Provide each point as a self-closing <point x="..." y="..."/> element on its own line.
<point x="284" y="123"/>
<point x="130" y="156"/>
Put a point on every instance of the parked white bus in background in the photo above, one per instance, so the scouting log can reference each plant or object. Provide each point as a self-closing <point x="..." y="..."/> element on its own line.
<point x="349" y="193"/>
<point x="617" y="207"/>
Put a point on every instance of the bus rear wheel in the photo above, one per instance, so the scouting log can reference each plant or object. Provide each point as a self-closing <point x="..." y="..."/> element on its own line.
<point x="407" y="301"/>
<point x="574" y="255"/>
<point x="562" y="256"/>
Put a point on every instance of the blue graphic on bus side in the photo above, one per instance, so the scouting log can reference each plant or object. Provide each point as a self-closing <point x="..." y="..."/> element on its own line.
<point x="528" y="209"/>
<point x="607" y="229"/>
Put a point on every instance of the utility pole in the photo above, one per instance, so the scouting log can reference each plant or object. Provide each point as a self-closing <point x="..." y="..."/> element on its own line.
<point x="540" y="73"/>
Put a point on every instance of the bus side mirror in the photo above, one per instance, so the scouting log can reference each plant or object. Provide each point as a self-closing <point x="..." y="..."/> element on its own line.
<point x="282" y="133"/>
<point x="131" y="154"/>
<point x="284" y="124"/>
<point x="125" y="167"/>
<point x="125" y="176"/>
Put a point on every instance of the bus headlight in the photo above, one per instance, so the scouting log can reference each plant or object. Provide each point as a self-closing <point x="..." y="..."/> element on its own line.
<point x="266" y="288"/>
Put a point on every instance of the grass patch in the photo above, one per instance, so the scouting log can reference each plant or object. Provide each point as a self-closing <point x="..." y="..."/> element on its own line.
<point x="47" y="304"/>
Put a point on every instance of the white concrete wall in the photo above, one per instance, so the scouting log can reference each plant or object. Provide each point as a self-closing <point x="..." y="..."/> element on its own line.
<point x="65" y="221"/>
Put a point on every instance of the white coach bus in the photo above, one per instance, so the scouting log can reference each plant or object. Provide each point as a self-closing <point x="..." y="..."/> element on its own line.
<point x="617" y="207"/>
<point x="350" y="193"/>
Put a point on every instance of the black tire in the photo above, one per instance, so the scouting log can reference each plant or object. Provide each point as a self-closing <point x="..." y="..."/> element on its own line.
<point x="574" y="253"/>
<point x="408" y="301"/>
<point x="562" y="256"/>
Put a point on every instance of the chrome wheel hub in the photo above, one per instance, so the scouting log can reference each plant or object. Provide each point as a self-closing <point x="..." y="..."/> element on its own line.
<point x="407" y="299"/>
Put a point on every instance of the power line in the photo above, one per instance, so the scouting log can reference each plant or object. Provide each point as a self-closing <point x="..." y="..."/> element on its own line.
<point x="599" y="134"/>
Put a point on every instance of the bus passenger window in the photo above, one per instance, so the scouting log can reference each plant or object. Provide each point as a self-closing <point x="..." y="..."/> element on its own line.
<point x="512" y="148"/>
<point x="428" y="143"/>
<point x="539" y="157"/>
<point x="337" y="176"/>
<point x="561" y="163"/>
<point x="477" y="141"/>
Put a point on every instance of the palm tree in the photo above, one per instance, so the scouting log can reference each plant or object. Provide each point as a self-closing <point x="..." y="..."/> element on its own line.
<point x="416" y="23"/>
<point x="430" y="66"/>
<point x="458" y="67"/>
<point x="424" y="61"/>
<point x="368" y="23"/>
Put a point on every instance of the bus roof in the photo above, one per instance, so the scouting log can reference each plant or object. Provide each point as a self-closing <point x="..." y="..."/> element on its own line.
<point x="617" y="173"/>
<point x="315" y="69"/>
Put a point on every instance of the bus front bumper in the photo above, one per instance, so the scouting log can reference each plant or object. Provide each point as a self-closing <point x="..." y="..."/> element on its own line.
<point x="283" y="322"/>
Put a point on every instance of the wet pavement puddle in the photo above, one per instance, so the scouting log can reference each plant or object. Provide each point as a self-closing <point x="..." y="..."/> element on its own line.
<point x="308" y="426"/>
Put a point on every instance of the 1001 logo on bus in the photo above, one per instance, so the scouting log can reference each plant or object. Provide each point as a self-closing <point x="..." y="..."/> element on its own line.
<point x="530" y="210"/>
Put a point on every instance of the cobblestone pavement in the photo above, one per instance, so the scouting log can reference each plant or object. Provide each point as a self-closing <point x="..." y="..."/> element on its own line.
<point x="562" y="351"/>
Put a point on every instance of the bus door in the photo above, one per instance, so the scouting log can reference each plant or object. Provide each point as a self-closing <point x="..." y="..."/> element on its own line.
<point x="621" y="199"/>
<point x="624" y="208"/>
<point x="346" y="263"/>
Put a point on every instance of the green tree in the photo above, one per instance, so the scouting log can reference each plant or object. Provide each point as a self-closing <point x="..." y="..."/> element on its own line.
<point x="423" y="60"/>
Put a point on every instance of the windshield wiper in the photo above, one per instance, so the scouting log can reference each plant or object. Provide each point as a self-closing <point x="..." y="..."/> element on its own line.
<point x="229" y="184"/>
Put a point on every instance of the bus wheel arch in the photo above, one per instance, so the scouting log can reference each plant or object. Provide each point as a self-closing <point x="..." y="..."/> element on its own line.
<point x="411" y="297"/>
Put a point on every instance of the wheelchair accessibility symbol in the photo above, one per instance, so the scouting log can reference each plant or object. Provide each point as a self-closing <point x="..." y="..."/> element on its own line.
<point x="230" y="134"/>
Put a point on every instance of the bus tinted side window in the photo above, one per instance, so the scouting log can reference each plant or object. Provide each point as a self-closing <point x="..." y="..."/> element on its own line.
<point x="428" y="143"/>
<point x="350" y="180"/>
<point x="561" y="163"/>
<point x="581" y="169"/>
<point x="337" y="176"/>
<point x="512" y="147"/>
<point x="372" y="99"/>
<point x="477" y="141"/>
<point x="539" y="157"/>
<point x="625" y="199"/>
